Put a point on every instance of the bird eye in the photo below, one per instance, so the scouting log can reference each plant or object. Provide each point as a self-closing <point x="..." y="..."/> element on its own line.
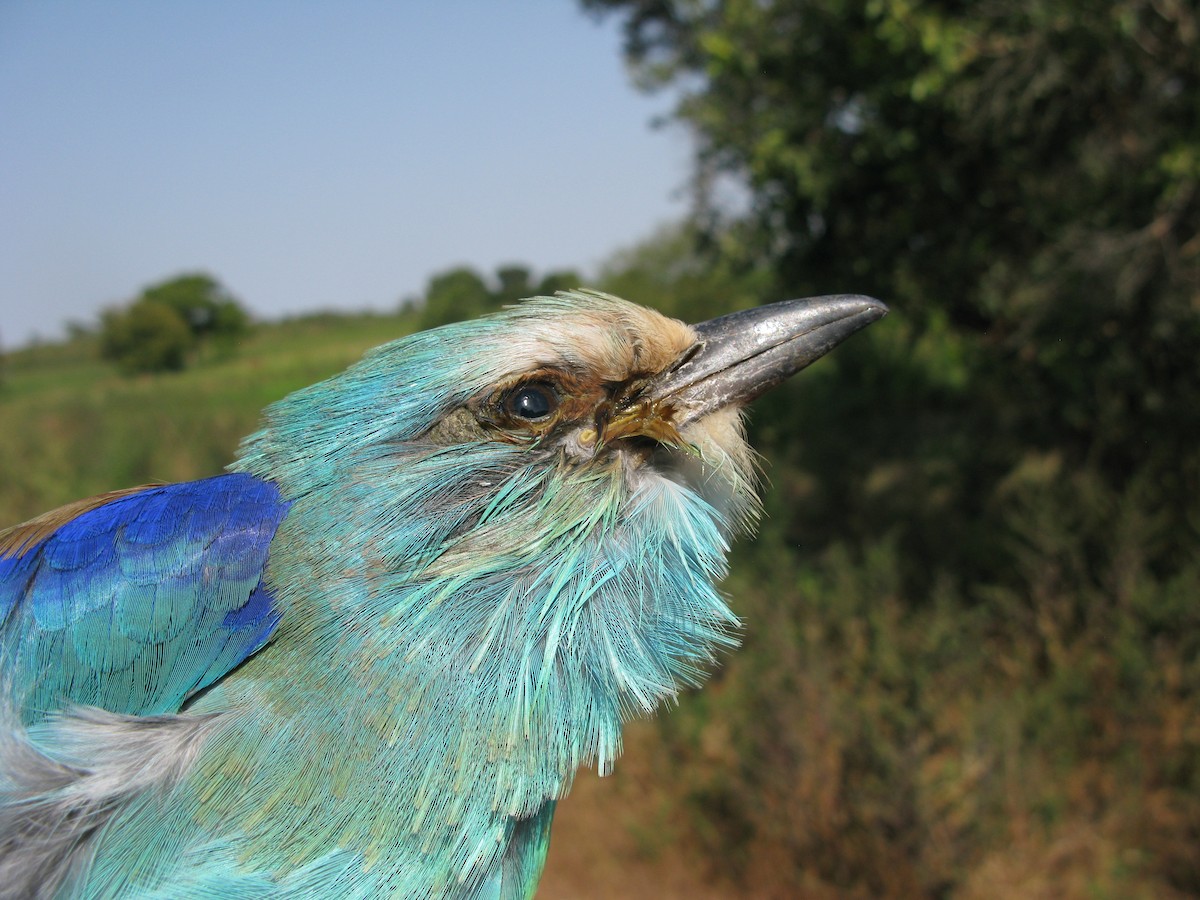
<point x="532" y="402"/>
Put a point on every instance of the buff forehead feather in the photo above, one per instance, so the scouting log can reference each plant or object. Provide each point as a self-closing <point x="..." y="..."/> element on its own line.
<point x="608" y="338"/>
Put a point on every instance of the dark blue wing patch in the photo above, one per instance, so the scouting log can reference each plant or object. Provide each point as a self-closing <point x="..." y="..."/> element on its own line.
<point x="136" y="604"/>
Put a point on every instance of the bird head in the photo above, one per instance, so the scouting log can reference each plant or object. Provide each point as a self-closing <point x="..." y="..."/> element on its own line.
<point x="524" y="517"/>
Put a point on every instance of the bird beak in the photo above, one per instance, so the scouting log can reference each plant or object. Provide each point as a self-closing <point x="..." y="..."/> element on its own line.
<point x="740" y="356"/>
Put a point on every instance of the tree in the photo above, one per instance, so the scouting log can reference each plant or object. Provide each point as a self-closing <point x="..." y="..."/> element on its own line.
<point x="145" y="337"/>
<point x="559" y="280"/>
<point x="168" y="322"/>
<point x="674" y="271"/>
<point x="1015" y="446"/>
<point x="1020" y="180"/>
<point x="514" y="284"/>
<point x="462" y="293"/>
<point x="207" y="308"/>
<point x="454" y="295"/>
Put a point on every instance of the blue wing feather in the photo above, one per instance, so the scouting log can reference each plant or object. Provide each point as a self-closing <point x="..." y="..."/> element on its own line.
<point x="138" y="603"/>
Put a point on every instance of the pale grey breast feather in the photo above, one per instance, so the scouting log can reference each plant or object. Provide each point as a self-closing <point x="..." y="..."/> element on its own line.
<point x="62" y="780"/>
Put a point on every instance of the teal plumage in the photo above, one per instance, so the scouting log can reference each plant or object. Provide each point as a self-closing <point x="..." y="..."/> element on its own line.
<point x="370" y="660"/>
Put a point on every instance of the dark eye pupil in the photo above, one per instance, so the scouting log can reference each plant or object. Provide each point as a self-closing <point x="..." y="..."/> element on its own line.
<point x="534" y="401"/>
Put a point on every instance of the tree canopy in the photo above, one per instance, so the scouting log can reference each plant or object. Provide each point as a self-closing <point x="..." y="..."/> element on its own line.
<point x="1002" y="479"/>
<point x="462" y="293"/>
<point x="163" y="327"/>
<point x="1021" y="181"/>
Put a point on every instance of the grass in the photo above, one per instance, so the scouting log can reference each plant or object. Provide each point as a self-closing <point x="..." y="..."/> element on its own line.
<point x="75" y="427"/>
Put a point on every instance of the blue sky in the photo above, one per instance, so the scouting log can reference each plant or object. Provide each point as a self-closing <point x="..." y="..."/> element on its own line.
<point x="312" y="155"/>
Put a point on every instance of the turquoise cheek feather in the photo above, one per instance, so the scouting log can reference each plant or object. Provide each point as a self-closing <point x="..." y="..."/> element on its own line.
<point x="369" y="661"/>
<point x="473" y="685"/>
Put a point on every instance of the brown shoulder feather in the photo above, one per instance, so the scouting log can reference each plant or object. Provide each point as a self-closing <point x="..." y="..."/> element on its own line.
<point x="19" y="539"/>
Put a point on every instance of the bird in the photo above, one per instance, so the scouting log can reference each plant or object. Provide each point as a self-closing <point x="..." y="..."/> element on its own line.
<point x="369" y="658"/>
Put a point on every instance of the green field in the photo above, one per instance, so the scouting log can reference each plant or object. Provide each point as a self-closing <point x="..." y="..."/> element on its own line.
<point x="74" y="426"/>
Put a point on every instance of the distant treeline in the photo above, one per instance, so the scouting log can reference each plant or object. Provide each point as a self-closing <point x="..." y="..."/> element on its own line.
<point x="175" y="321"/>
<point x="462" y="293"/>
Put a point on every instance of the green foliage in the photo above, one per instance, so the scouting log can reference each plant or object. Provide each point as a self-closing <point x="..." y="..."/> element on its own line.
<point x="676" y="272"/>
<point x="1004" y="665"/>
<point x="559" y="280"/>
<point x="145" y="337"/>
<point x="163" y="328"/>
<point x="514" y="284"/>
<point x="454" y="295"/>
<point x="207" y="308"/>
<point x="1027" y="170"/>
<point x="462" y="293"/>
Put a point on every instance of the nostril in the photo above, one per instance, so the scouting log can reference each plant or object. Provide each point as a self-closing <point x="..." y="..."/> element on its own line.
<point x="685" y="358"/>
